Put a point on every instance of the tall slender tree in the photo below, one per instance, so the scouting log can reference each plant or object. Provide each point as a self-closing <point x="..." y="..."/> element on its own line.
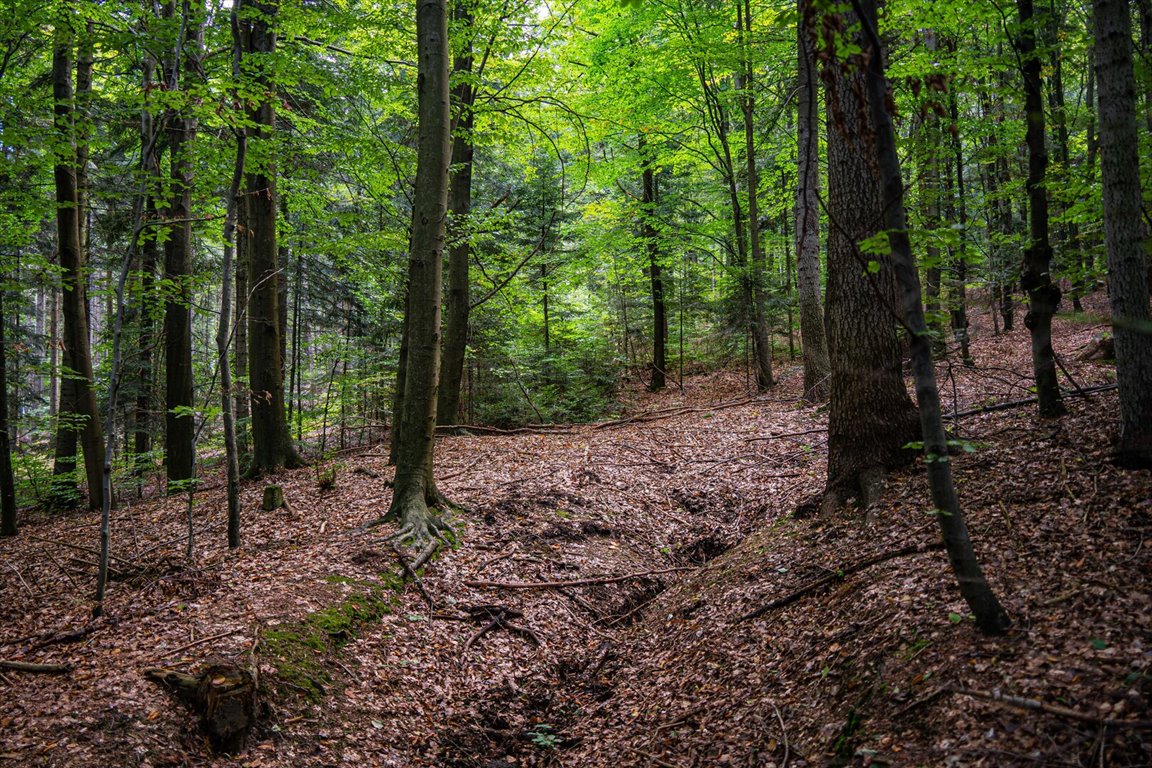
<point x="272" y="446"/>
<point x="658" y="377"/>
<point x="81" y="414"/>
<point x="1036" y="277"/>
<point x="812" y="337"/>
<point x="414" y="490"/>
<point x="1124" y="230"/>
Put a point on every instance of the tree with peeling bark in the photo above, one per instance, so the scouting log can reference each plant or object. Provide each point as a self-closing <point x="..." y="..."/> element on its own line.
<point x="991" y="617"/>
<point x="871" y="418"/>
<point x="414" y="494"/>
<point x="1124" y="231"/>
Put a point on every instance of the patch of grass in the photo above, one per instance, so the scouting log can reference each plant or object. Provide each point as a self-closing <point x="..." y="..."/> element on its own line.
<point x="298" y="649"/>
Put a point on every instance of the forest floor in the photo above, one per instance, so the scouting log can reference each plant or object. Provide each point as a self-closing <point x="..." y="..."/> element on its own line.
<point x="690" y="499"/>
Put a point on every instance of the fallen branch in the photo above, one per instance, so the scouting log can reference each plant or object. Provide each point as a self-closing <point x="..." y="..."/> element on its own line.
<point x="498" y="617"/>
<point x="1019" y="702"/>
<point x="573" y="582"/>
<point x="43" y="669"/>
<point x="786" y="434"/>
<point x="1084" y="392"/>
<point x="839" y="575"/>
<point x="201" y="641"/>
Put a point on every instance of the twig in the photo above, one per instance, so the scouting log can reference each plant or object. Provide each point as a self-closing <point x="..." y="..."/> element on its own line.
<point x="1019" y="702"/>
<point x="838" y="575"/>
<point x="783" y="734"/>
<point x="27" y="666"/>
<point x="572" y="583"/>
<point x="786" y="434"/>
<point x="1026" y="401"/>
<point x="78" y="548"/>
<point x="651" y="757"/>
<point x="21" y="577"/>
<point x="201" y="641"/>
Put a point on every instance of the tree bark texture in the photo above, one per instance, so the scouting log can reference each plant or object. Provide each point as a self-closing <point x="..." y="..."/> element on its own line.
<point x="991" y="618"/>
<point x="84" y="416"/>
<point x="458" y="299"/>
<point x="415" y="485"/>
<point x="272" y="446"/>
<point x="1124" y="230"/>
<point x="1036" y="277"/>
<point x="812" y="336"/>
<point x="871" y="418"/>
<point x="7" y="479"/>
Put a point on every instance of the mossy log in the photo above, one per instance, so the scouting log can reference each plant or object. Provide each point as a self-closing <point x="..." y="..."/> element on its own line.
<point x="224" y="695"/>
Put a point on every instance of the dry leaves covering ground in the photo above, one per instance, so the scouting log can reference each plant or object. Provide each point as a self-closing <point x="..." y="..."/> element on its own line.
<point x="696" y="493"/>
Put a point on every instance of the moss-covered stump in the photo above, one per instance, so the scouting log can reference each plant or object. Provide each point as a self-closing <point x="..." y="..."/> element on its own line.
<point x="223" y="695"/>
<point x="273" y="498"/>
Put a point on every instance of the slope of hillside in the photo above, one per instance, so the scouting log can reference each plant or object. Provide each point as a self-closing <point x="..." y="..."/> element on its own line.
<point x="591" y="612"/>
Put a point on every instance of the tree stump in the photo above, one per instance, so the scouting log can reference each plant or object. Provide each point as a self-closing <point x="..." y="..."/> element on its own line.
<point x="273" y="498"/>
<point x="224" y="695"/>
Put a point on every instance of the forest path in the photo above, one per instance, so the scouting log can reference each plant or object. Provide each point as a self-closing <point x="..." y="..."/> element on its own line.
<point x="655" y="669"/>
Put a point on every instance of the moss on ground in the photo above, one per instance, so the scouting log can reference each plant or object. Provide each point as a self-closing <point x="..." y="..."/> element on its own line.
<point x="298" y="649"/>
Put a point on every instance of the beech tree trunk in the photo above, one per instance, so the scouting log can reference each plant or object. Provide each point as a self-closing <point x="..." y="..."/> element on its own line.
<point x="958" y="293"/>
<point x="991" y="618"/>
<point x="7" y="479"/>
<point x="81" y="413"/>
<point x="1124" y="230"/>
<point x="757" y="268"/>
<point x="812" y="336"/>
<point x="457" y="305"/>
<point x="415" y="487"/>
<point x="655" y="274"/>
<point x="1036" y="277"/>
<point x="179" y="424"/>
<point x="272" y="446"/>
<point x="871" y="418"/>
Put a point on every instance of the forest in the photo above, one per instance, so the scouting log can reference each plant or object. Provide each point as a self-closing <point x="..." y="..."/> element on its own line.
<point x="654" y="383"/>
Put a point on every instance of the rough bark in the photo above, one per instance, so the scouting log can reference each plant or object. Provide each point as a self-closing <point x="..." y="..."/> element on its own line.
<point x="871" y="418"/>
<point x="415" y="486"/>
<point x="1036" y="277"/>
<point x="991" y="618"/>
<point x="83" y="415"/>
<point x="812" y="336"/>
<point x="457" y="306"/>
<point x="272" y="446"/>
<point x="1124" y="230"/>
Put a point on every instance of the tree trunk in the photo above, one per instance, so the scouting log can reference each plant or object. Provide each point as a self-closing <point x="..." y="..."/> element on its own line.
<point x="7" y="480"/>
<point x="82" y="411"/>
<point x="757" y="269"/>
<point x="958" y="298"/>
<point x="179" y="424"/>
<point x="457" y="305"/>
<point x="1036" y="277"/>
<point x="812" y="336"/>
<point x="415" y="486"/>
<point x="242" y="396"/>
<point x="272" y="446"/>
<point x="871" y="418"/>
<point x="990" y="616"/>
<point x="655" y="274"/>
<point x="1124" y="231"/>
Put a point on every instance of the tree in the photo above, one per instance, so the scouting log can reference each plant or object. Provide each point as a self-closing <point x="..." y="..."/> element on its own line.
<point x="655" y="273"/>
<point x="871" y="417"/>
<point x="1036" y="277"/>
<point x="179" y="69"/>
<point x="79" y="406"/>
<point x="414" y="489"/>
<point x="272" y="446"/>
<point x="1124" y="231"/>
<point x="990" y="616"/>
<point x="457" y="305"/>
<point x="7" y="480"/>
<point x="816" y="370"/>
